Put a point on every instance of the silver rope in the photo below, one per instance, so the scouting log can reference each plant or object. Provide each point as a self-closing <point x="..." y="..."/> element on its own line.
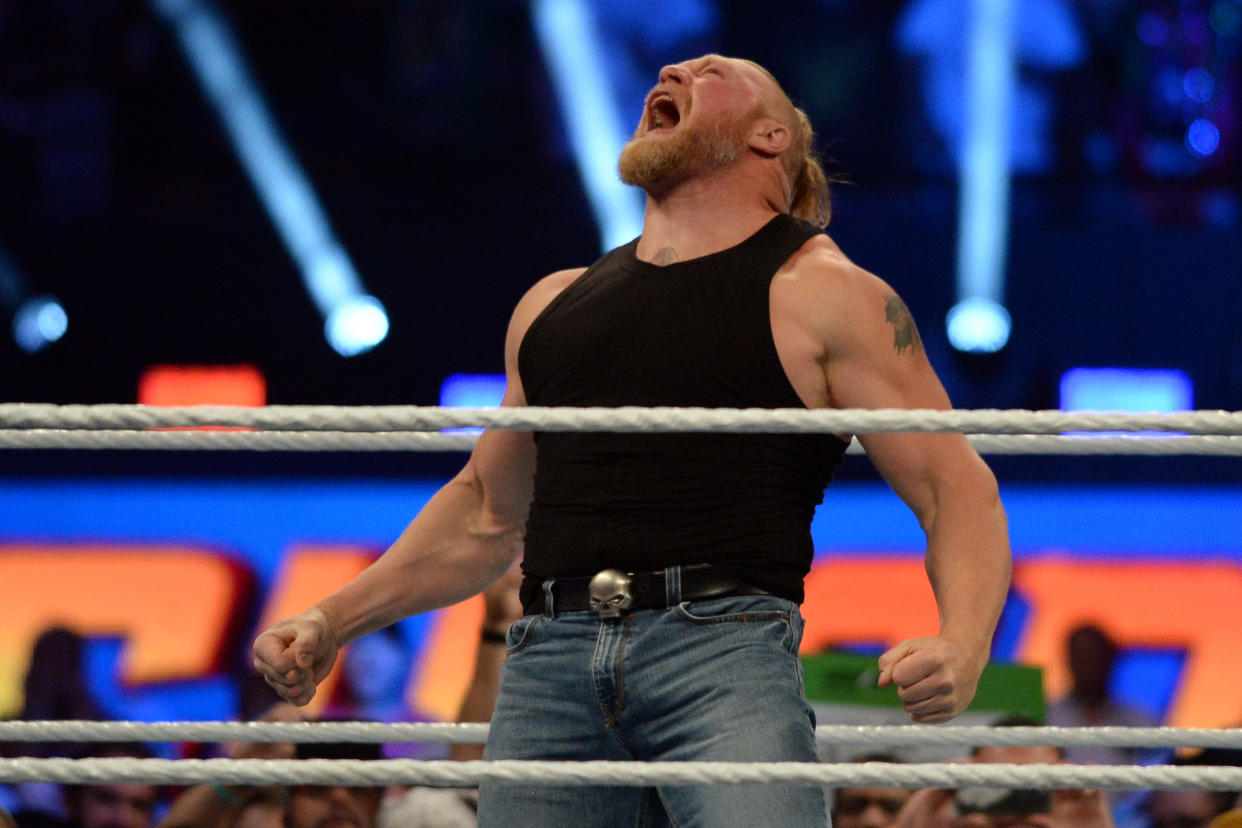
<point x="1163" y="445"/>
<point x="451" y="733"/>
<point x="625" y="419"/>
<point x="386" y="772"/>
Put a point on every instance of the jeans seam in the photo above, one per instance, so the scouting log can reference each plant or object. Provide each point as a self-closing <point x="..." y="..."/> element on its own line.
<point x="627" y="628"/>
<point x="672" y="819"/>
<point x="600" y="637"/>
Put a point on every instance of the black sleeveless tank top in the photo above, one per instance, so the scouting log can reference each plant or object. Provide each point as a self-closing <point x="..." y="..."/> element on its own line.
<point x="693" y="333"/>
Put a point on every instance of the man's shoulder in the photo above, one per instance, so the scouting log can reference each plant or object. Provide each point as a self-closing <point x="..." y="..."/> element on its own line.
<point x="820" y="272"/>
<point x="538" y="297"/>
<point x="548" y="288"/>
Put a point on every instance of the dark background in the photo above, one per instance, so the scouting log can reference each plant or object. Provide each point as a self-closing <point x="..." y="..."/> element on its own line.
<point x="431" y="133"/>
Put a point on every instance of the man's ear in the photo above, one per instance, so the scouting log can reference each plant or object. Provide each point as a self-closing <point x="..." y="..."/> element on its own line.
<point x="769" y="137"/>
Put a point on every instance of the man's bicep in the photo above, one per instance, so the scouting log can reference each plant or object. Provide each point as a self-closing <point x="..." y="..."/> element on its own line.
<point x="879" y="362"/>
<point x="503" y="461"/>
<point x="874" y="353"/>
<point x="503" y="464"/>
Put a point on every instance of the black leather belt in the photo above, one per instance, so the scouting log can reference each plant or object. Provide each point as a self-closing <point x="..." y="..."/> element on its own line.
<point x="612" y="593"/>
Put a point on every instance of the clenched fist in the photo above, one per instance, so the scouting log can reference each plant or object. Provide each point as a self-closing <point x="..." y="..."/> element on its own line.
<point x="935" y="678"/>
<point x="295" y="654"/>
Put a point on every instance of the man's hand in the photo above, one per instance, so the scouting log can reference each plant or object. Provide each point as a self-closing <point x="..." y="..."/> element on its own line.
<point x="295" y="654"/>
<point x="935" y="678"/>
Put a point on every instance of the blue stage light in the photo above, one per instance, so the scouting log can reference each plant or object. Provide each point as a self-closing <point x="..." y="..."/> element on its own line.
<point x="354" y="321"/>
<point x="979" y="323"/>
<point x="1152" y="29"/>
<point x="1202" y="138"/>
<point x="978" y="326"/>
<point x="1126" y="389"/>
<point x="472" y="391"/>
<point x="1199" y="85"/>
<point x="356" y="325"/>
<point x="38" y="323"/>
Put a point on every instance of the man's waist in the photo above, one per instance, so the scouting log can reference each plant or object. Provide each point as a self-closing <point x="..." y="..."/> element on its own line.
<point x="613" y="592"/>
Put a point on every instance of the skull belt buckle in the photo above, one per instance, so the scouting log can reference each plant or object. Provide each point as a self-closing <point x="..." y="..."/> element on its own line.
<point x="611" y="593"/>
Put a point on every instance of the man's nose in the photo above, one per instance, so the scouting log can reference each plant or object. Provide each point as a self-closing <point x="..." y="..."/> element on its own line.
<point x="674" y="73"/>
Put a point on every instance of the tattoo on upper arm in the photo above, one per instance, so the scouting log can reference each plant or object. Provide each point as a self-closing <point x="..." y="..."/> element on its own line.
<point x="905" y="334"/>
<point x="665" y="256"/>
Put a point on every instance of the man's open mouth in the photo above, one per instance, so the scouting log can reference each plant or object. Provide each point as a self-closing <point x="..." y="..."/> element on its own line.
<point x="662" y="113"/>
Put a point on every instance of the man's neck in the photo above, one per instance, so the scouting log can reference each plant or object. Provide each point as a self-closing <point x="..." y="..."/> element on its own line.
<point x="702" y="216"/>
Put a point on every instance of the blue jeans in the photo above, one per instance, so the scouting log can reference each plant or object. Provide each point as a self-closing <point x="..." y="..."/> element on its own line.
<point x="715" y="680"/>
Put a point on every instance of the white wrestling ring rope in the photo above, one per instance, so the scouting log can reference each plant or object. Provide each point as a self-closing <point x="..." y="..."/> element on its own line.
<point x="24" y="416"/>
<point x="384" y="772"/>
<point x="457" y="733"/>
<point x="335" y="428"/>
<point x="455" y="774"/>
<point x="1159" y="446"/>
<point x="412" y="428"/>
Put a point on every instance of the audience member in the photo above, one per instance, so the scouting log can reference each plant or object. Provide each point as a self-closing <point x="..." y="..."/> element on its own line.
<point x="1191" y="809"/>
<point x="868" y="807"/>
<point x="375" y="678"/>
<point x="113" y="804"/>
<point x="1091" y="654"/>
<point x="1186" y="809"/>
<point x="337" y="806"/>
<point x="233" y="806"/>
<point x="54" y="688"/>
<point x="1229" y="819"/>
<point x="999" y="808"/>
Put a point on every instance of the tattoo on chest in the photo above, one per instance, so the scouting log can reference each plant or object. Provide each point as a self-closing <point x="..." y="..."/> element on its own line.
<point x="905" y="334"/>
<point x="665" y="256"/>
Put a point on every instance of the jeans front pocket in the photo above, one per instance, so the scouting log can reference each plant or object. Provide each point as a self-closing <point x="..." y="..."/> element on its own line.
<point x="735" y="609"/>
<point x="765" y="616"/>
<point x="521" y="632"/>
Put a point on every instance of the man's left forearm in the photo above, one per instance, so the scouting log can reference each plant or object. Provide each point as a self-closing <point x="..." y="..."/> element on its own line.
<point x="968" y="564"/>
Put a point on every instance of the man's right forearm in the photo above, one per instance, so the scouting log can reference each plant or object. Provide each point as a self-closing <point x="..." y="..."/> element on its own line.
<point x="454" y="549"/>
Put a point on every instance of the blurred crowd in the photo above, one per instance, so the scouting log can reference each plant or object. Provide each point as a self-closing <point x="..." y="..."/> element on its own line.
<point x="376" y="672"/>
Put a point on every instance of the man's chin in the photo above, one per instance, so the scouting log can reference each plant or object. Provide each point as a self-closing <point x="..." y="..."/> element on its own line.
<point x="647" y="165"/>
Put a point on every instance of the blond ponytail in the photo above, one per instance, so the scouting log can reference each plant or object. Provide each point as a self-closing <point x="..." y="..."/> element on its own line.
<point x="811" y="199"/>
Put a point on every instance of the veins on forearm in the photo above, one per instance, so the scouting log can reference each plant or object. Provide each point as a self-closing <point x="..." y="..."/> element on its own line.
<point x="905" y="333"/>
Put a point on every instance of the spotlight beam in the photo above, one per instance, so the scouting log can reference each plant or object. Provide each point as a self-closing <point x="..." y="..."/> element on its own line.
<point x="354" y="321"/>
<point x="984" y="177"/>
<point x="569" y="42"/>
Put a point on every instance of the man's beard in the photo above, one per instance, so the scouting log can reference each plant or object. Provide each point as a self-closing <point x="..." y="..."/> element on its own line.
<point x="660" y="162"/>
